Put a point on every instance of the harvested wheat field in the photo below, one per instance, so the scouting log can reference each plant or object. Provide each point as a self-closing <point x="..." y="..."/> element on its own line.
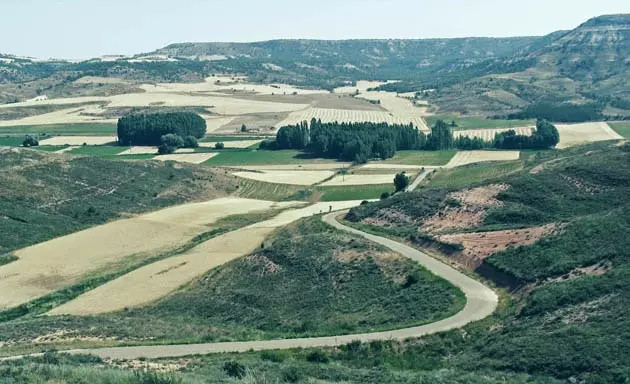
<point x="79" y="140"/>
<point x="339" y="180"/>
<point x="287" y="177"/>
<point x="157" y="280"/>
<point x="489" y="134"/>
<point x="576" y="134"/>
<point x="402" y="167"/>
<point x="64" y="116"/>
<point x="139" y="151"/>
<point x="341" y="115"/>
<point x="231" y="144"/>
<point x="470" y="157"/>
<point x="191" y="158"/>
<point x="49" y="266"/>
<point x="294" y="167"/>
<point x="214" y="124"/>
<point x="402" y="109"/>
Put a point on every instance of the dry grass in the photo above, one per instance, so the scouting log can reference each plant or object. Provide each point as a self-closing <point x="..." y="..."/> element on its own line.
<point x="231" y="144"/>
<point x="79" y="140"/>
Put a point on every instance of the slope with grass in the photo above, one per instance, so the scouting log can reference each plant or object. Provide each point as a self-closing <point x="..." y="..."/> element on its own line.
<point x="569" y="309"/>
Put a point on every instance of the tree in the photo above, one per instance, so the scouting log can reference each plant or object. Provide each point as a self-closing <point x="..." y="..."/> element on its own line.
<point x="546" y="134"/>
<point x="401" y="181"/>
<point x="172" y="140"/>
<point x="191" y="142"/>
<point x="243" y="128"/>
<point x="441" y="137"/>
<point x="219" y="145"/>
<point x="30" y="141"/>
<point x="147" y="129"/>
<point x="165" y="149"/>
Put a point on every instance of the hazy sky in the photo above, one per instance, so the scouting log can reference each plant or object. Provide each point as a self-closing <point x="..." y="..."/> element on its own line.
<point x="90" y="28"/>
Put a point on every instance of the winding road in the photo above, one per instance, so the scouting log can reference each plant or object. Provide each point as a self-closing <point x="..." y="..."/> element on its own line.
<point x="481" y="302"/>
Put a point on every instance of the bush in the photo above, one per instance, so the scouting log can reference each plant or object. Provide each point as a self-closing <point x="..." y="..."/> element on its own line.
<point x="219" y="146"/>
<point x="401" y="181"/>
<point x="30" y="141"/>
<point x="172" y="140"/>
<point x="147" y="129"/>
<point x="275" y="356"/>
<point x="191" y="142"/>
<point x="318" y="357"/>
<point x="234" y="369"/>
<point x="385" y="195"/>
<point x="165" y="149"/>
<point x="291" y="375"/>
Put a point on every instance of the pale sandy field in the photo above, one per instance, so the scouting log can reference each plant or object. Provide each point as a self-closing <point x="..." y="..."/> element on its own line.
<point x="403" y="167"/>
<point x="576" y="134"/>
<point x="342" y="115"/>
<point x="49" y="266"/>
<point x="387" y="178"/>
<point x="214" y="123"/>
<point x="157" y="280"/>
<point x="185" y="150"/>
<point x="139" y="151"/>
<point x="64" y="116"/>
<point x="99" y="80"/>
<point x="231" y="144"/>
<point x="67" y="149"/>
<point x="191" y="158"/>
<point x="469" y="157"/>
<point x="488" y="134"/>
<point x="294" y="167"/>
<point x="287" y="177"/>
<point x="400" y="108"/>
<point x="78" y="140"/>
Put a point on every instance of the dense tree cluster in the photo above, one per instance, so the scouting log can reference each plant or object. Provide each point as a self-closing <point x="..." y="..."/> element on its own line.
<point x="356" y="142"/>
<point x="561" y="112"/>
<point x="148" y="129"/>
<point x="30" y="141"/>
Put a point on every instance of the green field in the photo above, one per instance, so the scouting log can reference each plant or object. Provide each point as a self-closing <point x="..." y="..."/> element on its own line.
<point x="622" y="128"/>
<point x="89" y="129"/>
<point x="429" y="158"/>
<point x="98" y="150"/>
<point x="247" y="157"/>
<point x="465" y="123"/>
<point x="354" y="192"/>
<point x="467" y="175"/>
<point x="11" y="141"/>
<point x="254" y="189"/>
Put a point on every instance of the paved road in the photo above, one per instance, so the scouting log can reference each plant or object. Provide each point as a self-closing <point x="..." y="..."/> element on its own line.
<point x="481" y="302"/>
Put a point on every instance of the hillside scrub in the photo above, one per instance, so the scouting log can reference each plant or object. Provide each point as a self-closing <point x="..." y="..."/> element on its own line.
<point x="148" y="129"/>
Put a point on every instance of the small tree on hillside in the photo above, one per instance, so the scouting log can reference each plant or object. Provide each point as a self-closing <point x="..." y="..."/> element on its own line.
<point x="401" y="181"/>
<point x="30" y="141"/>
<point x="243" y="128"/>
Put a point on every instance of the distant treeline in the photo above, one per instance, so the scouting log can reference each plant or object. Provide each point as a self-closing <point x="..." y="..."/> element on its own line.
<point x="360" y="142"/>
<point x="148" y="129"/>
<point x="560" y="112"/>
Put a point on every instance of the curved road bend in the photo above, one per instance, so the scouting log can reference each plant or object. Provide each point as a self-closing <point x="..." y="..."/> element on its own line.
<point x="481" y="302"/>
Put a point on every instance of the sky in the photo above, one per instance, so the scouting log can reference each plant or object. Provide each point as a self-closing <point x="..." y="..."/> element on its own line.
<point x="81" y="29"/>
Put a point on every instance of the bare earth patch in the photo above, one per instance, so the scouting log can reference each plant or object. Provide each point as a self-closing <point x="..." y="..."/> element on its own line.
<point x="231" y="144"/>
<point x="192" y="158"/>
<point x="479" y="245"/>
<point x="473" y="206"/>
<point x="139" y="151"/>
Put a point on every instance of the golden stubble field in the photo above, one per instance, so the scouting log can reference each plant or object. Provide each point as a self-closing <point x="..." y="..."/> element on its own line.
<point x="49" y="266"/>
<point x="154" y="281"/>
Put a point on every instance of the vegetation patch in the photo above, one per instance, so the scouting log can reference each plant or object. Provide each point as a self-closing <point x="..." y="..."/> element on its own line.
<point x="463" y="123"/>
<point x="96" y="129"/>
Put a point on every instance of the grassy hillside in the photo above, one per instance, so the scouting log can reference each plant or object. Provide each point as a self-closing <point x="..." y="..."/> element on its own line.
<point x="46" y="195"/>
<point x="310" y="279"/>
<point x="570" y="291"/>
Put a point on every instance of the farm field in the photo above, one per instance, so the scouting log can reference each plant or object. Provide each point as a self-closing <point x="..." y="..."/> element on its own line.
<point x="192" y="158"/>
<point x="468" y="122"/>
<point x="238" y="158"/>
<point x="469" y="157"/>
<point x="429" y="158"/>
<point x="352" y="192"/>
<point x="621" y="127"/>
<point x="287" y="177"/>
<point x="96" y="129"/>
<point x="238" y="144"/>
<point x="489" y="134"/>
<point x="52" y="265"/>
<point x="470" y="174"/>
<point x="354" y="179"/>
<point x="158" y="279"/>
<point x="576" y="134"/>
<point x="341" y="115"/>
<point x="78" y="140"/>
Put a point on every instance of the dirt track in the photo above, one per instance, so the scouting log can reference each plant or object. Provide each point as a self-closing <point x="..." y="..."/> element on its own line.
<point x="481" y="302"/>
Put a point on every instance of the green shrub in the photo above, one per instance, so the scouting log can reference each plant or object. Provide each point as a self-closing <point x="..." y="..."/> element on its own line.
<point x="317" y="356"/>
<point x="219" y="145"/>
<point x="191" y="142"/>
<point x="234" y="369"/>
<point x="30" y="141"/>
